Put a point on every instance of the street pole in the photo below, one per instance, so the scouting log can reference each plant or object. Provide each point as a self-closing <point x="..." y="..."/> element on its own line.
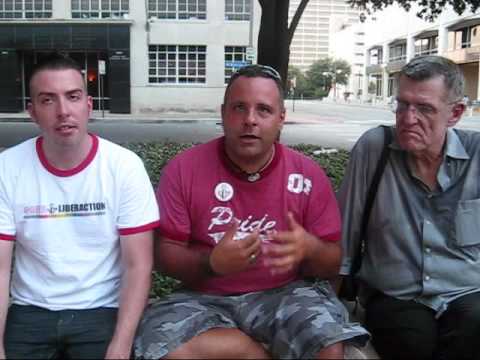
<point x="334" y="80"/>
<point x="250" y="37"/>
<point x="293" y="101"/>
<point x="101" y="96"/>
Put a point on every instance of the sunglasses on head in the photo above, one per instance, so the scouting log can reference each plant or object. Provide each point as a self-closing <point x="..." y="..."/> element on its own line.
<point x="268" y="71"/>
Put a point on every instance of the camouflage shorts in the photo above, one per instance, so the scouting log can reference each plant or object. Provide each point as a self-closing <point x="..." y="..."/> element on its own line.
<point x="276" y="318"/>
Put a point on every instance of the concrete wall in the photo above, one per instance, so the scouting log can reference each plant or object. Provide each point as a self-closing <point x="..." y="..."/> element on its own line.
<point x="214" y="32"/>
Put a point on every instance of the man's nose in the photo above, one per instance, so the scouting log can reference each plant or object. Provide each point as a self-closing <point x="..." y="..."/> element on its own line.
<point x="250" y="117"/>
<point x="409" y="114"/>
<point x="62" y="107"/>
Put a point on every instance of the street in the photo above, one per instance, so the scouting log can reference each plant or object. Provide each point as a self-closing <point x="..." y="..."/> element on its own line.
<point x="336" y="125"/>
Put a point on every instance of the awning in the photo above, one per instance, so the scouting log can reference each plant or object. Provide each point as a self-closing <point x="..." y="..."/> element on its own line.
<point x="397" y="42"/>
<point x="464" y="23"/>
<point x="426" y="34"/>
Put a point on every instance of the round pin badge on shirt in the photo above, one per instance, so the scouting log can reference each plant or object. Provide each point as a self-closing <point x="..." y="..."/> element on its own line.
<point x="223" y="191"/>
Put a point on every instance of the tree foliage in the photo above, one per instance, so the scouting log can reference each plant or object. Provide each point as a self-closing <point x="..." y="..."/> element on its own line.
<point x="319" y="78"/>
<point x="301" y="82"/>
<point x="428" y="9"/>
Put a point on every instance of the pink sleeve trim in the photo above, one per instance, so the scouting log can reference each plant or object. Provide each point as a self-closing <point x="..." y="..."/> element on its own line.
<point x="139" y="229"/>
<point x="7" y="237"/>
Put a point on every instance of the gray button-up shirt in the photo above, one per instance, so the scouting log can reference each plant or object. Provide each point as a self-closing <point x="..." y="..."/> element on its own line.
<point x="421" y="244"/>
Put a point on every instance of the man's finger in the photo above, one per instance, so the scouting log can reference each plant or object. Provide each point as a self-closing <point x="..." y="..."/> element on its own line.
<point x="292" y="223"/>
<point x="252" y="241"/>
<point x="279" y="250"/>
<point x="282" y="237"/>
<point x="231" y="231"/>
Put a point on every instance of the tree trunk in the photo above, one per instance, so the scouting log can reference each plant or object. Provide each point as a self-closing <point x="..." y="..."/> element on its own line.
<point x="275" y="35"/>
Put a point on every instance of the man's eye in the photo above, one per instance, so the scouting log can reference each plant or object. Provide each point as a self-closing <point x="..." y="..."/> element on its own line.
<point x="239" y="107"/>
<point x="265" y="110"/>
<point x="425" y="109"/>
<point x="46" y="101"/>
<point x="74" y="97"/>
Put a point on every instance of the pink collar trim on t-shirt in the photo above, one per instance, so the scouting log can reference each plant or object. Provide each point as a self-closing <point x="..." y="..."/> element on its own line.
<point x="70" y="172"/>
<point x="227" y="163"/>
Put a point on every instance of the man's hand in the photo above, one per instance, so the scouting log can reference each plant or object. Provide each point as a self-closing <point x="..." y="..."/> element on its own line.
<point x="232" y="256"/>
<point x="288" y="248"/>
<point x="117" y="350"/>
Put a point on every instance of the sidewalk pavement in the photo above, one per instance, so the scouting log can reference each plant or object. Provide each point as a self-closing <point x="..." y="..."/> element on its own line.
<point x="296" y="116"/>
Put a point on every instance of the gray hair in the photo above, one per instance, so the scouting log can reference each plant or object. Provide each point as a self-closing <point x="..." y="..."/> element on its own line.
<point x="428" y="67"/>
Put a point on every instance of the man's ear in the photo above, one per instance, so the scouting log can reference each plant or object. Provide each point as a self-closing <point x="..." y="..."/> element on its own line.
<point x="283" y="114"/>
<point x="31" y="112"/>
<point x="222" y="112"/>
<point x="90" y="105"/>
<point x="456" y="114"/>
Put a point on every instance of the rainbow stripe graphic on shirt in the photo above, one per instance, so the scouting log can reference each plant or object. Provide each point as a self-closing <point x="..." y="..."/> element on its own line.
<point x="64" y="210"/>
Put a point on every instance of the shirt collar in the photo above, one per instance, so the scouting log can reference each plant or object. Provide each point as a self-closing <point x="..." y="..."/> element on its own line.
<point x="455" y="148"/>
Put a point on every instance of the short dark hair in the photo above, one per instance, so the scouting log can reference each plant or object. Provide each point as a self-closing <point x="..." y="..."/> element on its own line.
<point x="427" y="67"/>
<point x="257" y="70"/>
<point x="55" y="61"/>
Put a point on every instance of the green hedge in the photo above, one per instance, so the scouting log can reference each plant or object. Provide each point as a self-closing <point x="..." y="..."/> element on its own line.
<point x="156" y="155"/>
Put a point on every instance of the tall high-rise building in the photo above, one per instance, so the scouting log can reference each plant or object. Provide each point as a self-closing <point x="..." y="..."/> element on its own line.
<point x="313" y="37"/>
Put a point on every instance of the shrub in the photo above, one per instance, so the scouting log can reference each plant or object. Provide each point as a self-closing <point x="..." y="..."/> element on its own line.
<point x="156" y="155"/>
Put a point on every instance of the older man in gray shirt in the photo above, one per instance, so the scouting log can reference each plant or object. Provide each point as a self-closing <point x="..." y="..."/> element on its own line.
<point x="420" y="271"/>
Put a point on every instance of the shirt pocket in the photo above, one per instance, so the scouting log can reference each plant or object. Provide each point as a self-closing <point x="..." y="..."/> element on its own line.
<point x="467" y="222"/>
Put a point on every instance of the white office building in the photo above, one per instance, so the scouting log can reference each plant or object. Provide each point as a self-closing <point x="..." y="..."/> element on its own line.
<point x="138" y="56"/>
<point x="313" y="37"/>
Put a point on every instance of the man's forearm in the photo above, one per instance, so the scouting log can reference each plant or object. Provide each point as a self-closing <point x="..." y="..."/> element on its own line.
<point x="6" y="250"/>
<point x="183" y="263"/>
<point x="134" y="293"/>
<point x="4" y="300"/>
<point x="323" y="260"/>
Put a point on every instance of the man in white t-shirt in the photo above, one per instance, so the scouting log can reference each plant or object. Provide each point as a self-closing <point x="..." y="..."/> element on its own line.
<point x="80" y="211"/>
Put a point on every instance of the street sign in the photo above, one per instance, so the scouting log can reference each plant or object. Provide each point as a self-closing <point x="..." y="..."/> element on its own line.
<point x="101" y="67"/>
<point x="250" y="53"/>
<point x="236" y="64"/>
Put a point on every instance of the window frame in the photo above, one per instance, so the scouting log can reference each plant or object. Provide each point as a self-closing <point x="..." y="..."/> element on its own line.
<point x="177" y="9"/>
<point x="177" y="64"/>
<point x="239" y="54"/>
<point x="237" y="10"/>
<point x="20" y="9"/>
<point x="99" y="9"/>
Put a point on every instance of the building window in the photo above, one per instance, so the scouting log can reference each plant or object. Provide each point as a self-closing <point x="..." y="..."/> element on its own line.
<point x="25" y="9"/>
<point x="378" y="85"/>
<point x="237" y="9"/>
<point x="391" y="85"/>
<point x="426" y="46"/>
<point x="177" y="9"/>
<point x="102" y="9"/>
<point x="398" y="52"/>
<point x="376" y="56"/>
<point x="177" y="64"/>
<point x="235" y="58"/>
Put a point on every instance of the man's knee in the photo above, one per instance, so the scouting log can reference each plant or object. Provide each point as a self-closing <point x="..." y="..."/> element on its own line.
<point x="334" y="351"/>
<point x="220" y="343"/>
<point x="460" y="328"/>
<point x="401" y="329"/>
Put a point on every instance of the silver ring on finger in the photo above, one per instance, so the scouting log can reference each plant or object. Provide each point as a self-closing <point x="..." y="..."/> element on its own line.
<point x="252" y="258"/>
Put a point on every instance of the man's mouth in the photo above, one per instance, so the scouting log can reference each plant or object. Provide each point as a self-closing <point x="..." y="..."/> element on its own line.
<point x="249" y="137"/>
<point x="65" y="128"/>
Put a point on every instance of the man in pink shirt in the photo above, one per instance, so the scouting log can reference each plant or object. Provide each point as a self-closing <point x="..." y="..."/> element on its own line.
<point x="244" y="220"/>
